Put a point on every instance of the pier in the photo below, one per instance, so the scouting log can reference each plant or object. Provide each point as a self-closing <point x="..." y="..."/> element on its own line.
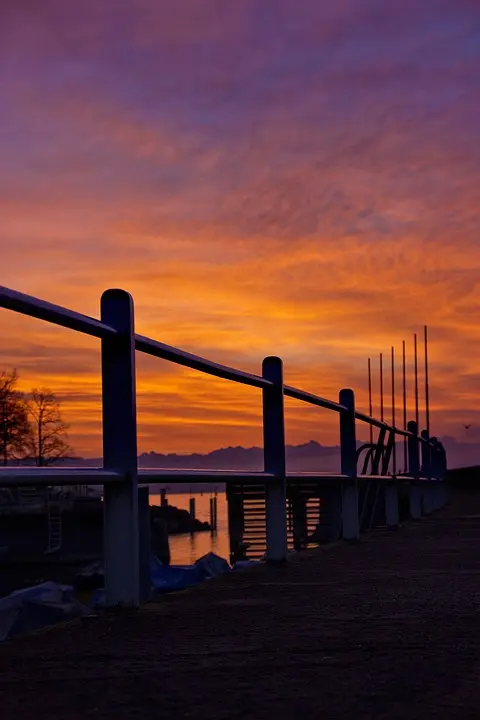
<point x="365" y="607"/>
<point x="366" y="492"/>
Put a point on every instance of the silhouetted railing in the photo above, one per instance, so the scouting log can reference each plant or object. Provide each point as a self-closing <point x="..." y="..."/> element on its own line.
<point x="120" y="474"/>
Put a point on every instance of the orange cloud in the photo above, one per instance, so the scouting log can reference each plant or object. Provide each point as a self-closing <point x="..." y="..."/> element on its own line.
<point x="310" y="192"/>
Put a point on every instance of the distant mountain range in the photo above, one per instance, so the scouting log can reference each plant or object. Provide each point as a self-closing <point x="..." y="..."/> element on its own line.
<point x="309" y="457"/>
<point x="300" y="458"/>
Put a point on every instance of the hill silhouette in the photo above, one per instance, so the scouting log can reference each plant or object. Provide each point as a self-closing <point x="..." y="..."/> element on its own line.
<point x="308" y="457"/>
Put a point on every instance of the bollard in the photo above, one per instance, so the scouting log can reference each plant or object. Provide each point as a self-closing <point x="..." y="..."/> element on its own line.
<point x="212" y="516"/>
<point x="414" y="471"/>
<point x="274" y="460"/>
<point x="348" y="455"/>
<point x="213" y="513"/>
<point x="191" y="506"/>
<point x="120" y="451"/>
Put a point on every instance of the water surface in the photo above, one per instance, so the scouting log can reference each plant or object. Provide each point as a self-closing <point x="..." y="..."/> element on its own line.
<point x="185" y="549"/>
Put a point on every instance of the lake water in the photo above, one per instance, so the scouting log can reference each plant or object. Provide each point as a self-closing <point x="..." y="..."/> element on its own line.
<point x="186" y="549"/>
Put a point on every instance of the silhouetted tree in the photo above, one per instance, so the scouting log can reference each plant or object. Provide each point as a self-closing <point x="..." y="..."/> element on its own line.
<point x="14" y="425"/>
<point x="48" y="431"/>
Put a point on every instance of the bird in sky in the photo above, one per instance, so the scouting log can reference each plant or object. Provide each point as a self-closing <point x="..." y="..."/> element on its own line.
<point x="467" y="426"/>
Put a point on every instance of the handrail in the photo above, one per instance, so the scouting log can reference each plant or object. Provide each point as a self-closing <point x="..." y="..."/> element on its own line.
<point x="382" y="425"/>
<point x="25" y="475"/>
<point x="292" y="392"/>
<point x="180" y="357"/>
<point x="55" y="314"/>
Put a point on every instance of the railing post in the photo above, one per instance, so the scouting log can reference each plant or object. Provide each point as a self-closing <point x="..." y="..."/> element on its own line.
<point x="274" y="460"/>
<point x="348" y="455"/>
<point x="414" y="471"/>
<point x="121" y="543"/>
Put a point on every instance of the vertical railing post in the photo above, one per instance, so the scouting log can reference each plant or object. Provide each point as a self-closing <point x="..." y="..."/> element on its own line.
<point x="414" y="471"/>
<point x="121" y="544"/>
<point x="348" y="455"/>
<point x="274" y="460"/>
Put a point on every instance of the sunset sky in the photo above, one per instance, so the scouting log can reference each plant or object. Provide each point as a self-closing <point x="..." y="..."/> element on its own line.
<point x="289" y="177"/>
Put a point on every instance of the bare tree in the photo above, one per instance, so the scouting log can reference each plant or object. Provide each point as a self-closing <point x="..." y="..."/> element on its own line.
<point x="48" y="438"/>
<point x="14" y="425"/>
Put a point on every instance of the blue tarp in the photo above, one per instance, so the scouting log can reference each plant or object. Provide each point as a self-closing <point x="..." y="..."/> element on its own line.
<point x="171" y="578"/>
<point x="168" y="578"/>
<point x="35" y="607"/>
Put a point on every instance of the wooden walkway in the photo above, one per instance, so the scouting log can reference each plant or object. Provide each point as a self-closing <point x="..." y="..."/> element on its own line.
<point x="386" y="628"/>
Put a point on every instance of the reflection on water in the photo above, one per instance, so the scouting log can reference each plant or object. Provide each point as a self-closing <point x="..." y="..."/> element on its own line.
<point x="186" y="549"/>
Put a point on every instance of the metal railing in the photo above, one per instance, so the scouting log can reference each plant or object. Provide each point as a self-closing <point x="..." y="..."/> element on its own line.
<point x="121" y="476"/>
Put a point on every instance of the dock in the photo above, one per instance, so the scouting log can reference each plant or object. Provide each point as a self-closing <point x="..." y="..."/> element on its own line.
<point x="386" y="627"/>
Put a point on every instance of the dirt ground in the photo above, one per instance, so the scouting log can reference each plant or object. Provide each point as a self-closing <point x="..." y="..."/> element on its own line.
<point x="385" y="628"/>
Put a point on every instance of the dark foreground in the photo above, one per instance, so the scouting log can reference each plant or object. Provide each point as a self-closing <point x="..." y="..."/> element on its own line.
<point x="387" y="628"/>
